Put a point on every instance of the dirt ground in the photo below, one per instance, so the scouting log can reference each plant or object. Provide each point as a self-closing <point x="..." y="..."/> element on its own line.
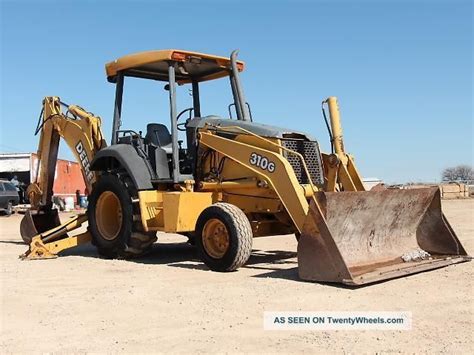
<point x="169" y="302"/>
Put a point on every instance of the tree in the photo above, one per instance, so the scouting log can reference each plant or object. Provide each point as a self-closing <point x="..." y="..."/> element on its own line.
<point x="458" y="173"/>
<point x="449" y="174"/>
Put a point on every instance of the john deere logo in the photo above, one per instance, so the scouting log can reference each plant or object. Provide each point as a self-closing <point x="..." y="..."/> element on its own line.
<point x="84" y="161"/>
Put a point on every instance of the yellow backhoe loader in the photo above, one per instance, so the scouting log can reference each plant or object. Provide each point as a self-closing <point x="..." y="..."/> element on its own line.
<point x="233" y="180"/>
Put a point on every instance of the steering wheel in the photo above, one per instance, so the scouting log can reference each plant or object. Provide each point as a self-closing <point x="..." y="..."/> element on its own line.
<point x="182" y="126"/>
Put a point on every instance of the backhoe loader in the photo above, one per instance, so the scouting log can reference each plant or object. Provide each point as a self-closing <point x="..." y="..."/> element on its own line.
<point x="233" y="180"/>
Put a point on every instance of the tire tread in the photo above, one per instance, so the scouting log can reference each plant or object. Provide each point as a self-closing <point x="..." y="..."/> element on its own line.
<point x="139" y="242"/>
<point x="244" y="232"/>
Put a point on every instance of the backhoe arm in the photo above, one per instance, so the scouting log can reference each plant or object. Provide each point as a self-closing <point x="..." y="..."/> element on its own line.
<point x="82" y="132"/>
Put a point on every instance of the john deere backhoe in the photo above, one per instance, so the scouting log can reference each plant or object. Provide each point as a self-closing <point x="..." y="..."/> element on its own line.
<point x="233" y="180"/>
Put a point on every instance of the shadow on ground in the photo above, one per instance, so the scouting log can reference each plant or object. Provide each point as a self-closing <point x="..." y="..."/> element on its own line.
<point x="271" y="263"/>
<point x="86" y="250"/>
<point x="271" y="256"/>
<point x="280" y="264"/>
<point x="168" y="254"/>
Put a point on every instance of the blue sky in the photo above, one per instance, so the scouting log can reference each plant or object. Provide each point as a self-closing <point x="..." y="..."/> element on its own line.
<point x="402" y="70"/>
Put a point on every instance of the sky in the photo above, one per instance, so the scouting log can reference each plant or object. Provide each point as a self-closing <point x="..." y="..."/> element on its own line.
<point x="402" y="70"/>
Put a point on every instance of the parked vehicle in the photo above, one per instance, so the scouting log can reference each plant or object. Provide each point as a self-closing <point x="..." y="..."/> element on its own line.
<point x="8" y="197"/>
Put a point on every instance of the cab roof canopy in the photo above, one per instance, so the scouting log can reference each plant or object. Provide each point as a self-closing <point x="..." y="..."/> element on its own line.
<point x="191" y="66"/>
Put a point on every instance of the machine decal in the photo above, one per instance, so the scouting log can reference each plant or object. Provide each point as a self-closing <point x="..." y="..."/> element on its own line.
<point x="84" y="161"/>
<point x="262" y="162"/>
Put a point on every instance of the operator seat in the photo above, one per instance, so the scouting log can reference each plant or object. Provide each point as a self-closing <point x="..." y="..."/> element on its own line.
<point x="159" y="135"/>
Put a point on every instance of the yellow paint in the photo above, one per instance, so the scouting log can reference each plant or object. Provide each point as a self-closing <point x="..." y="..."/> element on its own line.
<point x="41" y="250"/>
<point x="172" y="211"/>
<point x="254" y="204"/>
<point x="343" y="172"/>
<point x="282" y="180"/>
<point x="136" y="60"/>
<point x="151" y="209"/>
<point x="215" y="238"/>
<point x="181" y="210"/>
<point x="80" y="130"/>
<point x="48" y="244"/>
<point x="336" y="127"/>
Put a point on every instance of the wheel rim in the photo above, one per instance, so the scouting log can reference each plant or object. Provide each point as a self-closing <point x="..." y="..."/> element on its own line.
<point x="215" y="238"/>
<point x="108" y="215"/>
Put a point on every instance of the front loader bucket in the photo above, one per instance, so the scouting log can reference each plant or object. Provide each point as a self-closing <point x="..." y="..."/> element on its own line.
<point x="34" y="224"/>
<point x="357" y="238"/>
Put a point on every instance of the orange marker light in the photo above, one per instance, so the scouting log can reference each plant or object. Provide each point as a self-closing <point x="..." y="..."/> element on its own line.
<point x="178" y="56"/>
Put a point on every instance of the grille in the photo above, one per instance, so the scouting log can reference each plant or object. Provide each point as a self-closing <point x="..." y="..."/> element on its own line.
<point x="310" y="152"/>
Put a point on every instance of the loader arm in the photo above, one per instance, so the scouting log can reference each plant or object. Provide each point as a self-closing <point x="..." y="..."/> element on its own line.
<point x="281" y="179"/>
<point x="81" y="130"/>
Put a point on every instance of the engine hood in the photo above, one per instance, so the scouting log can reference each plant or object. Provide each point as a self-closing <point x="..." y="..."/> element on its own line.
<point x="259" y="129"/>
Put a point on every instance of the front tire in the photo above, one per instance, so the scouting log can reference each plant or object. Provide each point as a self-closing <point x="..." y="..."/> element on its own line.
<point x="223" y="237"/>
<point x="111" y="219"/>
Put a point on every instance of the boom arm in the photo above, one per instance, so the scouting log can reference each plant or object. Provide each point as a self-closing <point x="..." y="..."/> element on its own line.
<point x="82" y="132"/>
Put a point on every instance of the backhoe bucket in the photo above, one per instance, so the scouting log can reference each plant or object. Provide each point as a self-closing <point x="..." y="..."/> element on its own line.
<point x="357" y="238"/>
<point x="34" y="224"/>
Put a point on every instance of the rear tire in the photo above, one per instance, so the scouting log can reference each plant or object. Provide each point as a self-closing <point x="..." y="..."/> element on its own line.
<point x="111" y="219"/>
<point x="223" y="237"/>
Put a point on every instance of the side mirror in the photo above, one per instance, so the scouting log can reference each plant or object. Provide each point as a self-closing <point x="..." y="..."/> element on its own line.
<point x="167" y="87"/>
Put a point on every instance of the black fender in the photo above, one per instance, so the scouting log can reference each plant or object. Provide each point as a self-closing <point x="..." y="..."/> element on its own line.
<point x="124" y="156"/>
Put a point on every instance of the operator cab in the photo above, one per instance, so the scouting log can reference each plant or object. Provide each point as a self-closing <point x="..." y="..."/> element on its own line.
<point x="167" y="159"/>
